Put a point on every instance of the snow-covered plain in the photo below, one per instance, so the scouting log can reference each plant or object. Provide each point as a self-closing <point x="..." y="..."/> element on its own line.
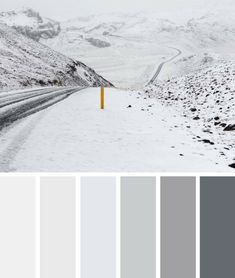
<point x="133" y="133"/>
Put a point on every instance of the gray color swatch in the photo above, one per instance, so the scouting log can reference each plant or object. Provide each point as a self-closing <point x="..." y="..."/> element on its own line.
<point x="58" y="227"/>
<point x="138" y="227"/>
<point x="17" y="227"/>
<point x="178" y="227"/>
<point x="217" y="227"/>
<point x="98" y="227"/>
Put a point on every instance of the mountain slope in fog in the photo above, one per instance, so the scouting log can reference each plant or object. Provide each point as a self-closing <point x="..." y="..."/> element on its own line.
<point x="25" y="62"/>
<point x="209" y="30"/>
<point x="31" y="23"/>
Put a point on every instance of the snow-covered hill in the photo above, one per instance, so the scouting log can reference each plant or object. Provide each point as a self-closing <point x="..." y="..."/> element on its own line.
<point x="31" y="24"/>
<point x="207" y="97"/>
<point x="25" y="62"/>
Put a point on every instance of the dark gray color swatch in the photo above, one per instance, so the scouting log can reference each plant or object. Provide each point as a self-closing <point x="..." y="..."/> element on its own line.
<point x="98" y="227"/>
<point x="217" y="227"/>
<point x="58" y="227"/>
<point x="138" y="227"/>
<point x="178" y="227"/>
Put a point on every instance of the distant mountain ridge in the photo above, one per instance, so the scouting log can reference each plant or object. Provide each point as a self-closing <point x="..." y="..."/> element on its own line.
<point x="31" y="23"/>
<point x="110" y="43"/>
<point x="208" y="30"/>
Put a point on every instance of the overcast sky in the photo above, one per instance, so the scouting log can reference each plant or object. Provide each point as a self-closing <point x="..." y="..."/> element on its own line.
<point x="66" y="9"/>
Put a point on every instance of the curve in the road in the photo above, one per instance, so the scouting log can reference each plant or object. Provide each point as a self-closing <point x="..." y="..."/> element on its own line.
<point x="159" y="69"/>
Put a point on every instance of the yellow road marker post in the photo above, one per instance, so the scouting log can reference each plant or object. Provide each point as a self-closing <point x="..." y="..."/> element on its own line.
<point x="102" y="97"/>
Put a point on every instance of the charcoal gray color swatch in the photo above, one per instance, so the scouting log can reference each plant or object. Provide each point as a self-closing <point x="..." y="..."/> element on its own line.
<point x="138" y="227"/>
<point x="178" y="227"/>
<point x="17" y="230"/>
<point x="217" y="226"/>
<point x="98" y="227"/>
<point x="58" y="212"/>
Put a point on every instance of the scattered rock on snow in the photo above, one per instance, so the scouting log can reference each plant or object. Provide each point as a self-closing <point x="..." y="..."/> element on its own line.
<point x="207" y="141"/>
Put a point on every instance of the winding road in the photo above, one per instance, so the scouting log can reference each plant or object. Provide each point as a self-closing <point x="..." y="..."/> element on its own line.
<point x="179" y="52"/>
<point x="18" y="105"/>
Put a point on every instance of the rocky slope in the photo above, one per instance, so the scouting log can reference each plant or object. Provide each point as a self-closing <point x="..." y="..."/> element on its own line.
<point x="206" y="97"/>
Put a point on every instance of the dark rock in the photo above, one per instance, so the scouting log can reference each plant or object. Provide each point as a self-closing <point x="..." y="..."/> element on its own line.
<point x="207" y="141"/>
<point x="98" y="43"/>
<point x="232" y="165"/>
<point x="229" y="127"/>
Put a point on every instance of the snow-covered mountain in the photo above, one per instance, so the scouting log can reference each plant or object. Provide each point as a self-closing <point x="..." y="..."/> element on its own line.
<point x="128" y="43"/>
<point x="31" y="24"/>
<point x="209" y="30"/>
<point x="127" y="48"/>
<point x="25" y="62"/>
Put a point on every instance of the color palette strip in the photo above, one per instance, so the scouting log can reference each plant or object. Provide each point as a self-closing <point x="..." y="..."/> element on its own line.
<point x="117" y="227"/>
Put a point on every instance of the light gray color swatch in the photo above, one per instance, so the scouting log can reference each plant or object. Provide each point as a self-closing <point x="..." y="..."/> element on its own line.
<point x="58" y="227"/>
<point x="98" y="227"/>
<point x="138" y="227"/>
<point x="178" y="227"/>
<point x="217" y="227"/>
<point x="17" y="227"/>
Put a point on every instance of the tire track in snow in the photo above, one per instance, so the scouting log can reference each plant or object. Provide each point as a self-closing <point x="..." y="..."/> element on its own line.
<point x="24" y="107"/>
<point x="9" y="153"/>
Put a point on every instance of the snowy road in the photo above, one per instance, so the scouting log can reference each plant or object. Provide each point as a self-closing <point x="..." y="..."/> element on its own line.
<point x="17" y="105"/>
<point x="133" y="133"/>
<point x="159" y="69"/>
